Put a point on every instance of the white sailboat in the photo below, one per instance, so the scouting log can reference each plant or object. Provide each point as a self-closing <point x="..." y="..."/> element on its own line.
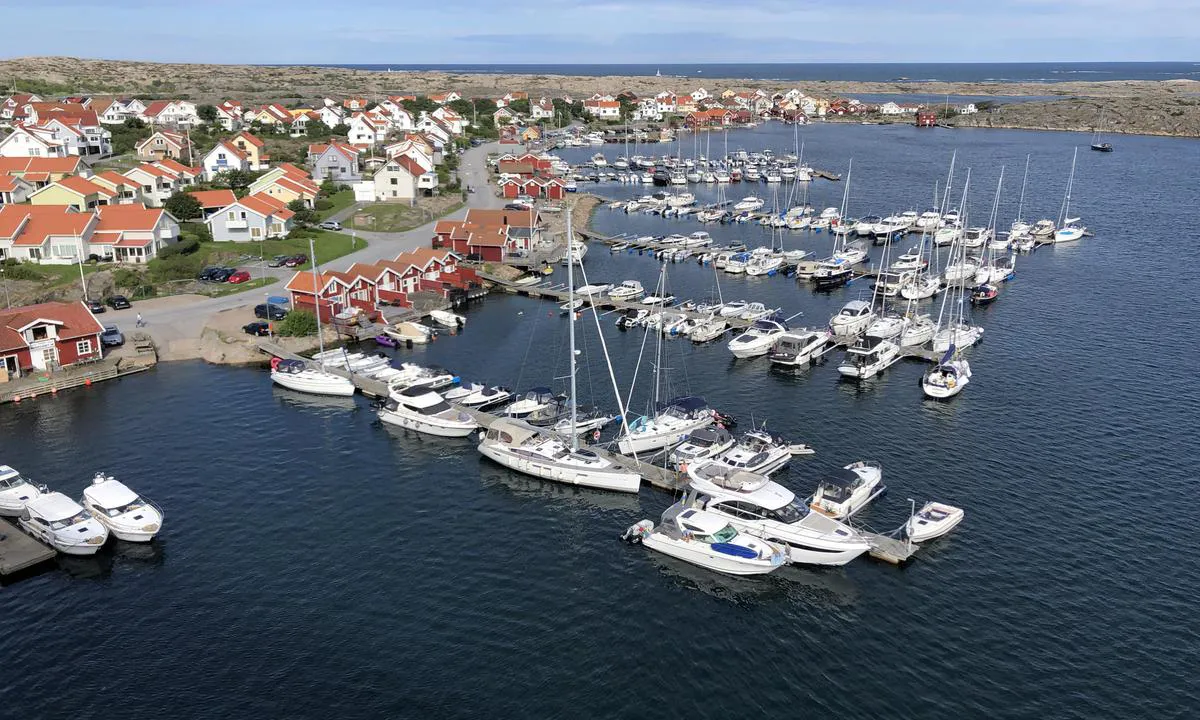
<point x="948" y="377"/>
<point x="1069" y="228"/>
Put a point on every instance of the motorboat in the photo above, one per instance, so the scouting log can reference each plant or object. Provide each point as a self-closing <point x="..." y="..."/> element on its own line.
<point x="671" y="423"/>
<point x="681" y="199"/>
<point x="425" y="411"/>
<point x="866" y="225"/>
<point x="535" y="404"/>
<point x="15" y="491"/>
<point x="544" y="454"/>
<point x="572" y="306"/>
<point x="127" y="516"/>
<point x="911" y="260"/>
<point x="1069" y="232"/>
<point x="627" y="290"/>
<point x="920" y="330"/>
<point x="416" y="333"/>
<point x="843" y="494"/>
<point x="296" y="375"/>
<point x="587" y="420"/>
<point x="699" y="239"/>
<point x="749" y="204"/>
<point x="722" y="177"/>
<point x="757" y="339"/>
<point x="445" y="318"/>
<point x="947" y="234"/>
<point x="458" y="392"/>
<point x="664" y="300"/>
<point x="734" y="308"/>
<point x="929" y="221"/>
<point x="888" y="283"/>
<point x="1043" y="230"/>
<point x="960" y="271"/>
<point x="708" y="329"/>
<point x="799" y="347"/>
<point x="984" y="294"/>
<point x="997" y="271"/>
<point x="757" y="311"/>
<point x="593" y="290"/>
<point x="920" y="287"/>
<point x="976" y="237"/>
<point x="632" y="317"/>
<point x="707" y="540"/>
<point x="868" y="356"/>
<point x="948" y="377"/>
<point x="736" y="263"/>
<point x="933" y="520"/>
<point x="832" y="273"/>
<point x="852" y="254"/>
<point x="700" y="445"/>
<point x="757" y="451"/>
<point x="888" y="228"/>
<point x="487" y="398"/>
<point x="63" y="524"/>
<point x="764" y="265"/>
<point x="756" y="505"/>
<point x="852" y="319"/>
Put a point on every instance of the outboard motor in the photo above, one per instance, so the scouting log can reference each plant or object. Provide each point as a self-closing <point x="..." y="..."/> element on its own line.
<point x="634" y="533"/>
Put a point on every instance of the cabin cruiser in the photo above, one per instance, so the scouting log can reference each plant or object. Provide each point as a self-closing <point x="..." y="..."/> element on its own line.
<point x="757" y="311"/>
<point x="756" y="505"/>
<point x="868" y="356"/>
<point x="756" y="451"/>
<point x="592" y="290"/>
<point x="960" y="271"/>
<point x="1043" y="230"/>
<point x="458" y="392"/>
<point x="948" y="377"/>
<point x="1069" y="232"/>
<point x="628" y="290"/>
<point x="950" y="232"/>
<point x="632" y="317"/>
<point x="296" y="375"/>
<point x="846" y="492"/>
<point x="575" y="253"/>
<point x="929" y="221"/>
<point x="763" y="264"/>
<point x="887" y="326"/>
<point x="698" y="239"/>
<point x="537" y="404"/>
<point x="721" y="177"/>
<point x="707" y="540"/>
<point x="700" y="445"/>
<point x="920" y="287"/>
<point x="832" y="273"/>
<point x="487" y="398"/>
<point x="749" y="204"/>
<point x="736" y="264"/>
<point x="920" y="330"/>
<point x="708" y="329"/>
<point x="419" y="334"/>
<point x="423" y="410"/>
<point x="673" y="420"/>
<point x="976" y="237"/>
<point x="15" y="491"/>
<point x="799" y="347"/>
<point x="933" y="520"/>
<point x="866" y="225"/>
<point x="126" y="515"/>
<point x="852" y="319"/>
<point x="911" y="260"/>
<point x="888" y="283"/>
<point x="889" y="227"/>
<point x="852" y="254"/>
<point x="63" y="524"/>
<point x="527" y="449"/>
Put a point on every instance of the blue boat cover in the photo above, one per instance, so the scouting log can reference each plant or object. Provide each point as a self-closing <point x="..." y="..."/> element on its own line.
<point x="734" y="550"/>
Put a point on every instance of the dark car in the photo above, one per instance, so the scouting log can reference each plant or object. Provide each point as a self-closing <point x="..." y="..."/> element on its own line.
<point x="278" y="261"/>
<point x="112" y="336"/>
<point x="96" y="306"/>
<point x="296" y="260"/>
<point x="517" y="206"/>
<point x="269" y="312"/>
<point x="222" y="274"/>
<point x="207" y="273"/>
<point x="119" y="302"/>
<point x="258" y="328"/>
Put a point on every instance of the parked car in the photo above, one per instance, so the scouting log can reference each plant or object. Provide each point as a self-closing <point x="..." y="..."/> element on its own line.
<point x="207" y="273"/>
<point x="296" y="260"/>
<point x="239" y="277"/>
<point x="330" y="225"/>
<point x="221" y="275"/>
<point x="517" y="206"/>
<point x="257" y="328"/>
<point x="119" y="302"/>
<point x="112" y="336"/>
<point x="278" y="261"/>
<point x="269" y="312"/>
<point x="96" y="306"/>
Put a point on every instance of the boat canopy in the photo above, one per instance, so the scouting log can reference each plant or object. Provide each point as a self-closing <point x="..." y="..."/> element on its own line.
<point x="688" y="405"/>
<point x="709" y="436"/>
<point x="290" y="366"/>
<point x="840" y="484"/>
<point x="511" y="432"/>
<point x="110" y="494"/>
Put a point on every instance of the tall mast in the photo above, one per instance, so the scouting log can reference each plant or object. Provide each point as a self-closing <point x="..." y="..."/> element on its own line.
<point x="662" y="293"/>
<point x="571" y="329"/>
<point x="1024" y="180"/>
<point x="845" y="208"/>
<point x="316" y="276"/>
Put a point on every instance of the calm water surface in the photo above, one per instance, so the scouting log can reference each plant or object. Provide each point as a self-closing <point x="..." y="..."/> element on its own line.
<point x="315" y="564"/>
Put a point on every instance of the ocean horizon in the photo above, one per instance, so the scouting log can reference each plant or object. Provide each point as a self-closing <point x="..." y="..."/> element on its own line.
<point x="1041" y="72"/>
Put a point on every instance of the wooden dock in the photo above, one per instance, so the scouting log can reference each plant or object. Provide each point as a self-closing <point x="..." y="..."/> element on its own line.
<point x="19" y="551"/>
<point x="32" y="386"/>
<point x="889" y="549"/>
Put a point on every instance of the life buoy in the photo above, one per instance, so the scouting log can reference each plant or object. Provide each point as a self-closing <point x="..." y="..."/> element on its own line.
<point x="595" y="435"/>
<point x="275" y="363"/>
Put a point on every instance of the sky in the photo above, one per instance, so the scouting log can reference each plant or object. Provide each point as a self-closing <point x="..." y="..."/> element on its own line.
<point x="605" y="31"/>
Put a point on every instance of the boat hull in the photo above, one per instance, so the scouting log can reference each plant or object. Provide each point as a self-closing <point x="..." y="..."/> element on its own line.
<point x="703" y="556"/>
<point x="429" y="426"/>
<point x="615" y="480"/>
<point x="313" y="385"/>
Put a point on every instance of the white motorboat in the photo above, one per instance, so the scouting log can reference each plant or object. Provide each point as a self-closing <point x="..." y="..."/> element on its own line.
<point x="295" y="375"/>
<point x="487" y="398"/>
<point x="889" y="227"/>
<point x="413" y="375"/>
<point x="749" y="204"/>
<point x="866" y="225"/>
<point x="681" y="199"/>
<point x="933" y="520"/>
<point x="974" y="238"/>
<point x="536" y="404"/>
<point x="15" y="491"/>
<point x="845" y="493"/>
<point x="699" y="239"/>
<point x="63" y="524"/>
<point x="929" y="221"/>
<point x="663" y="300"/>
<point x="756" y="505"/>
<point x="957" y="272"/>
<point x="700" y="445"/>
<point x="852" y="254"/>
<point x="889" y="283"/>
<point x="592" y="290"/>
<point x="1042" y="230"/>
<point x="757" y="451"/>
<point x="628" y="290"/>
<point x="522" y="447"/>
<point x="920" y="330"/>
<point x="948" y="377"/>
<point x="672" y="422"/>
<point x="854" y="318"/>
<point x="799" y="347"/>
<point x="575" y="253"/>
<point x="734" y="308"/>
<point x="413" y="332"/>
<point x="867" y="357"/>
<point x="757" y="311"/>
<point x="757" y="339"/>
<point x="948" y="234"/>
<point x="708" y="541"/>
<point x="911" y="260"/>
<point x="708" y="330"/>
<point x="763" y="265"/>
<point x="957" y="333"/>
<point x="921" y="287"/>
<point x="458" y="392"/>
<point x="445" y="318"/>
<point x="127" y="516"/>
<point x="425" y="411"/>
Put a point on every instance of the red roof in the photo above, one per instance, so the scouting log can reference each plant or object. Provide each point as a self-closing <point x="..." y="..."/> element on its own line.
<point x="156" y="107"/>
<point x="73" y="320"/>
<point x="13" y="165"/>
<point x="31" y="225"/>
<point x="122" y="218"/>
<point x="413" y="167"/>
<point x="210" y="199"/>
<point x="265" y="205"/>
<point x="84" y="187"/>
<point x="250" y="138"/>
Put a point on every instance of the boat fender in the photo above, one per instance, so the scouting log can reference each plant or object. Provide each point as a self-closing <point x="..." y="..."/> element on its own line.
<point x="275" y="363"/>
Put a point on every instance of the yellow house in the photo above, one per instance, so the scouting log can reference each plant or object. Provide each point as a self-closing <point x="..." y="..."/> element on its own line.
<point x="77" y="192"/>
<point x="127" y="191"/>
<point x="286" y="183"/>
<point x="254" y="148"/>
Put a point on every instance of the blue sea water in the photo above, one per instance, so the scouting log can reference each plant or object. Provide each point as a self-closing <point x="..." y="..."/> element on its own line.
<point x="856" y="72"/>
<point x="316" y="564"/>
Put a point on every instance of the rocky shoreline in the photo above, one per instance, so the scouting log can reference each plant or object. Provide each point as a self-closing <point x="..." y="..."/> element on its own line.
<point x="1169" y="107"/>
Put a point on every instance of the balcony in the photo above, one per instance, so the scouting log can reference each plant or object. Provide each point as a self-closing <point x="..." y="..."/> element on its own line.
<point x="236" y="225"/>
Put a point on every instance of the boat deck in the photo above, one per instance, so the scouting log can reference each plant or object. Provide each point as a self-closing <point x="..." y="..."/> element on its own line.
<point x="19" y="551"/>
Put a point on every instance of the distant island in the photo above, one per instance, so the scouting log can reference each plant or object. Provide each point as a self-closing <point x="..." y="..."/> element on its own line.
<point x="1170" y="107"/>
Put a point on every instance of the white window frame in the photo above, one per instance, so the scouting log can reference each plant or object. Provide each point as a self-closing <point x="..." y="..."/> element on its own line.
<point x="83" y="347"/>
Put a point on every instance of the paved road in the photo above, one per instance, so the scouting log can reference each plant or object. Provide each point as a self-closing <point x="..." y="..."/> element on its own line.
<point x="176" y="322"/>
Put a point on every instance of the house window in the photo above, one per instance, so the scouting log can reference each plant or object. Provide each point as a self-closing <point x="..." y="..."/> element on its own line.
<point x="395" y="182"/>
<point x="232" y="215"/>
<point x="83" y="347"/>
<point x="255" y="232"/>
<point x="39" y="333"/>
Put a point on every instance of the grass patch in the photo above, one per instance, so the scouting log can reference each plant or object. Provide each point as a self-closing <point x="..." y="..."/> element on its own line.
<point x="223" y="289"/>
<point x="329" y="246"/>
<point x="50" y="274"/>
<point x="399" y="217"/>
<point x="339" y="201"/>
<point x="120" y="163"/>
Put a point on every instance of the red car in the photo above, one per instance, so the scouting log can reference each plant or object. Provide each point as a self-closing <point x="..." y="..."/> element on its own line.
<point x="240" y="276"/>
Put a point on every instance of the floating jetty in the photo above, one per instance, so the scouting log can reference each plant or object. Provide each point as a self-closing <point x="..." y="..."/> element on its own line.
<point x="19" y="551"/>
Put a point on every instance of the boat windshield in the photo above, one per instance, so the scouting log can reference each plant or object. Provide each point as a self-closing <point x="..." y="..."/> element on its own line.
<point x="12" y="481"/>
<point x="136" y="504"/>
<point x="81" y="516"/>
<point x="793" y="512"/>
<point x="723" y="535"/>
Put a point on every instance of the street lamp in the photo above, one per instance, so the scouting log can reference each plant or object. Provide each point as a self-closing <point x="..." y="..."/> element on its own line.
<point x="7" y="299"/>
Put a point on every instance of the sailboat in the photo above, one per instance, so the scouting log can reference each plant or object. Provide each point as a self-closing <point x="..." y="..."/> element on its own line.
<point x="545" y="454"/>
<point x="995" y="270"/>
<point x="299" y="376"/>
<point x="1069" y="229"/>
<point x="1097" y="144"/>
<point x="1020" y="233"/>
<point x="948" y="377"/>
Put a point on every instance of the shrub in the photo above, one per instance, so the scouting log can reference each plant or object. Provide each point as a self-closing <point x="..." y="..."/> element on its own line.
<point x="321" y="204"/>
<point x="298" y="323"/>
<point x="14" y="270"/>
<point x="183" y="206"/>
<point x="174" y="267"/>
<point x="185" y="246"/>
<point x="127" y="278"/>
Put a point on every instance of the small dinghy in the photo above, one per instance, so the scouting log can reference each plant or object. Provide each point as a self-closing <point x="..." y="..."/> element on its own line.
<point x="386" y="341"/>
<point x="984" y="294"/>
<point x="448" y="319"/>
<point x="932" y="521"/>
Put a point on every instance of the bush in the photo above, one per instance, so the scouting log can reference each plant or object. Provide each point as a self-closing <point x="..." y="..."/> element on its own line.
<point x="322" y="204"/>
<point x="298" y="323"/>
<point x="174" y="267"/>
<point x="183" y="206"/>
<point x="185" y="246"/>
<point x="127" y="278"/>
<point x="14" y="270"/>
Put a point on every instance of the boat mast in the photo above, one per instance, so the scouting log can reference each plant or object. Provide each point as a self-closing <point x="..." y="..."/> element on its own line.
<point x="956" y="245"/>
<point x="992" y="219"/>
<point x="316" y="276"/>
<point x="1021" y="202"/>
<point x="1066" y="209"/>
<point x="571" y="330"/>
<point x="662" y="294"/>
<point x="839" y="243"/>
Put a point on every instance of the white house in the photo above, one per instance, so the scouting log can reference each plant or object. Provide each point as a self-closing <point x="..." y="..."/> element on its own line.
<point x="156" y="183"/>
<point x="968" y="109"/>
<point x="541" y="110"/>
<point x="254" y="217"/>
<point x="27" y="142"/>
<point x="603" y="109"/>
<point x="14" y="190"/>
<point x="332" y="115"/>
<point x="403" y="178"/>
<point x="229" y="115"/>
<point x="666" y="102"/>
<point x="700" y="94"/>
<point x="364" y="131"/>
<point x="890" y="108"/>
<point x="225" y="156"/>
<point x="454" y="122"/>
<point x="401" y="119"/>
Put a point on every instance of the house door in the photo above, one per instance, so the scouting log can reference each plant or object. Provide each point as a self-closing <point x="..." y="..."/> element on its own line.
<point x="11" y="365"/>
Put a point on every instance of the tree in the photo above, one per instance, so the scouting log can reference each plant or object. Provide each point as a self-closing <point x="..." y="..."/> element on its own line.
<point x="328" y="187"/>
<point x="135" y="123"/>
<point x="183" y="206"/>
<point x="317" y="130"/>
<point x="303" y="216"/>
<point x="340" y="130"/>
<point x="520" y="107"/>
<point x="297" y="323"/>
<point x="416" y="106"/>
<point x="207" y="113"/>
<point x="234" y="179"/>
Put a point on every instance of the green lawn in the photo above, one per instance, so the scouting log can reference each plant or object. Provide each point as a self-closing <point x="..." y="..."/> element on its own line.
<point x="222" y="289"/>
<point x="341" y="200"/>
<point x="58" y="274"/>
<point x="399" y="217"/>
<point x="329" y="246"/>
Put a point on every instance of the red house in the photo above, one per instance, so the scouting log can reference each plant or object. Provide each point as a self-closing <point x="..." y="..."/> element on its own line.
<point x="926" y="118"/>
<point x="47" y="336"/>
<point x="331" y="294"/>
